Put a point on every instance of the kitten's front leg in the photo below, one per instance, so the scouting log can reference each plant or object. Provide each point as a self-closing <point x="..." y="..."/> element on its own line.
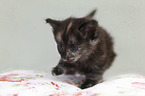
<point x="92" y="78"/>
<point x="59" y="69"/>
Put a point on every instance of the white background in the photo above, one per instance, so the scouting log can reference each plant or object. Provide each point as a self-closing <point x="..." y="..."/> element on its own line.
<point x="26" y="41"/>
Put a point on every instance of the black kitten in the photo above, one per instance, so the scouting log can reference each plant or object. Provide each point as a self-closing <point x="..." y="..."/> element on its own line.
<point x="84" y="46"/>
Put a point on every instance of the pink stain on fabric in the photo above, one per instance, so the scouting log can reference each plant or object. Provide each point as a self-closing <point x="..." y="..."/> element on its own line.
<point x="85" y="93"/>
<point x="58" y="95"/>
<point x="140" y="85"/>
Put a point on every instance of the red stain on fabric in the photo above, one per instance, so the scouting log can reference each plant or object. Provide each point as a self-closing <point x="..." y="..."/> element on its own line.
<point x="52" y="83"/>
<point x="139" y="83"/>
<point x="8" y="78"/>
<point x="28" y="83"/>
<point x="15" y="94"/>
<point x="78" y="94"/>
<point x="56" y="85"/>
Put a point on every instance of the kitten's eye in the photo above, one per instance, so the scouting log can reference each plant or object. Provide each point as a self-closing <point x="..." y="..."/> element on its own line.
<point x="74" y="48"/>
<point x="60" y="47"/>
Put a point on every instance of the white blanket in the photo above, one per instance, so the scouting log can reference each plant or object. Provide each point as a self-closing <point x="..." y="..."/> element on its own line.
<point x="35" y="83"/>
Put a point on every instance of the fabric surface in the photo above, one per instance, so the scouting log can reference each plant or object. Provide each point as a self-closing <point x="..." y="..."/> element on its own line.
<point x="36" y="83"/>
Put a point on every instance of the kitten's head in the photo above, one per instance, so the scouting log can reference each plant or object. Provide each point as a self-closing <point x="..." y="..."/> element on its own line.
<point x="76" y="38"/>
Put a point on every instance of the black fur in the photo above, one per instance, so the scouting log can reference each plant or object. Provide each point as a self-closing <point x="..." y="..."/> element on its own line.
<point x="84" y="46"/>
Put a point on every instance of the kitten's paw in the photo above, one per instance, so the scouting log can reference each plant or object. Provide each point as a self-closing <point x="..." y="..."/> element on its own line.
<point x="57" y="71"/>
<point x="88" y="84"/>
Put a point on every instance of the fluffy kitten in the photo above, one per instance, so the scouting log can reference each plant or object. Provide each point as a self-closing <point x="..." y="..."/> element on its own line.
<point x="84" y="46"/>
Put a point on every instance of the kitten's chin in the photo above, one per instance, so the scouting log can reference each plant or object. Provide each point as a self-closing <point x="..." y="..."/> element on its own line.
<point x="80" y="58"/>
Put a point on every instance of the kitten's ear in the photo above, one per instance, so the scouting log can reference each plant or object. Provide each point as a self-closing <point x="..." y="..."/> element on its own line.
<point x="53" y="23"/>
<point x="89" y="29"/>
<point x="91" y="14"/>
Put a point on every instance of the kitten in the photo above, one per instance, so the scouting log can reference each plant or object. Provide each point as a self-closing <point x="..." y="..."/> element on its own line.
<point x="84" y="46"/>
